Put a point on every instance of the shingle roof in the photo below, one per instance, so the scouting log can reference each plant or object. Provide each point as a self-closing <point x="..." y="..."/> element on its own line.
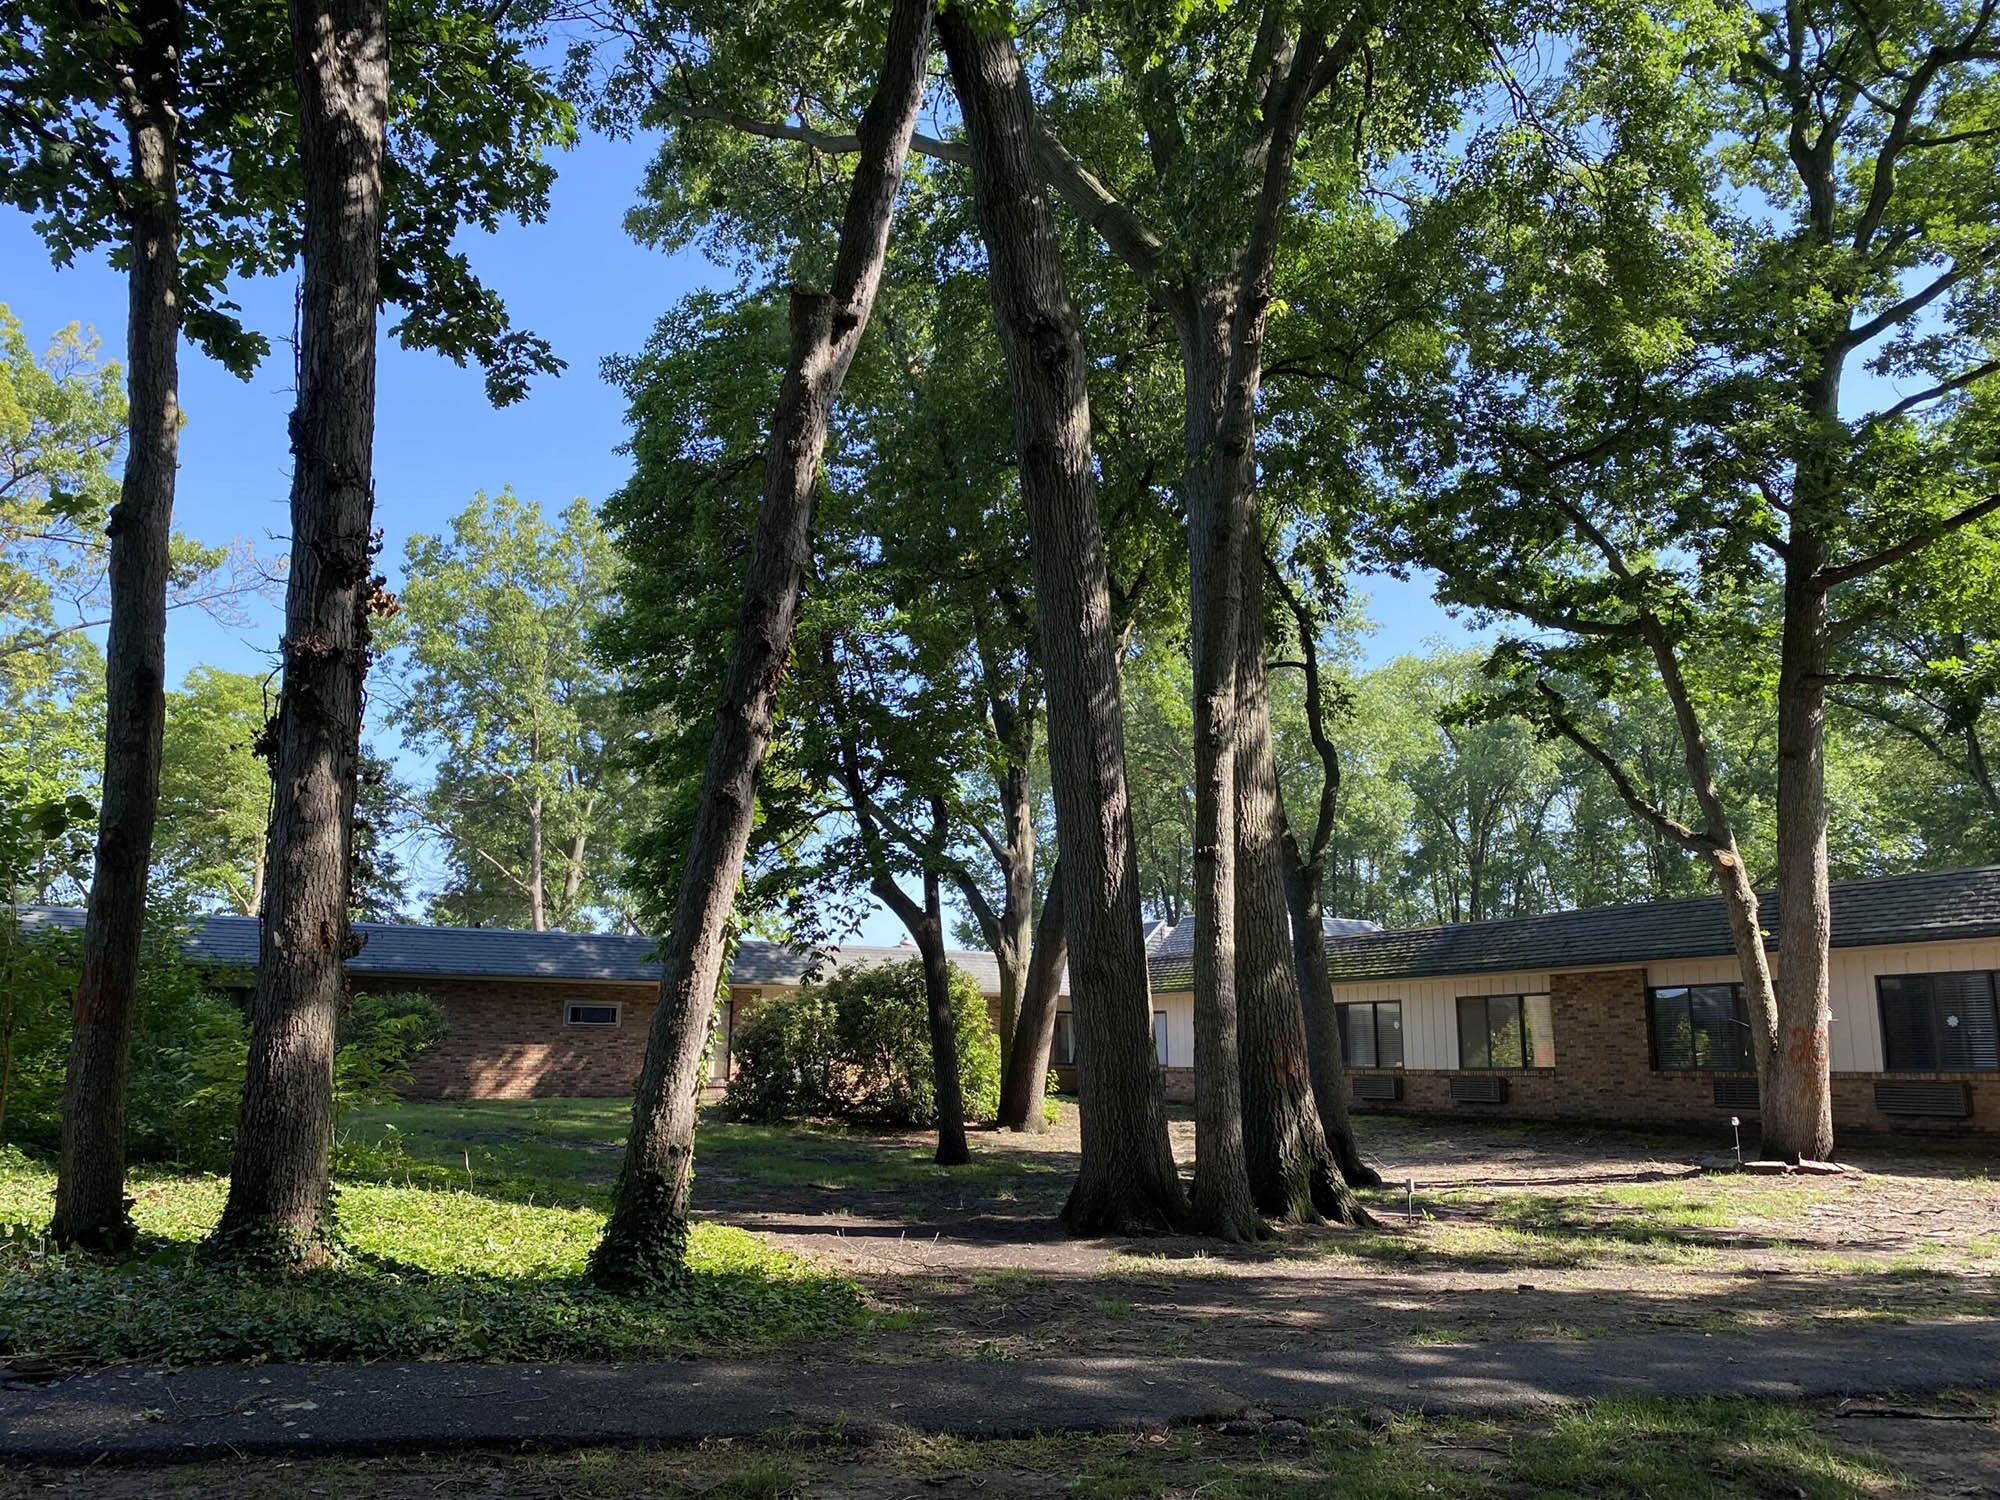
<point x="1170" y="952"/>
<point x="1935" y="906"/>
<point x="507" y="953"/>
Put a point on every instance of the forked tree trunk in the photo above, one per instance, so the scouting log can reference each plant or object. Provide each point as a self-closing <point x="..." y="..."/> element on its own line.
<point x="645" y="1242"/>
<point x="1293" y="1173"/>
<point x="1126" y="1181"/>
<point x="1217" y="438"/>
<point x="1304" y="885"/>
<point x="280" y="1189"/>
<point x="90" y="1206"/>
<point x="1025" y="1082"/>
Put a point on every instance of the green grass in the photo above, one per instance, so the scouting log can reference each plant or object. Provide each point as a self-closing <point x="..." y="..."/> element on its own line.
<point x="425" y="1273"/>
<point x="567" y="1150"/>
<point x="1632" y="1450"/>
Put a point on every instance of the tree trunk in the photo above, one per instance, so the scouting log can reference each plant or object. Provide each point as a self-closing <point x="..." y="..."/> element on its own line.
<point x="1127" y="1181"/>
<point x="280" y="1190"/>
<point x="537" y="902"/>
<point x="645" y="1242"/>
<point x="90" y="1208"/>
<point x="945" y="1083"/>
<point x="1797" y="1104"/>
<point x="1293" y="1173"/>
<point x="1217" y="441"/>
<point x="1013" y="945"/>
<point x="1026" y="1080"/>
<point x="1324" y="1052"/>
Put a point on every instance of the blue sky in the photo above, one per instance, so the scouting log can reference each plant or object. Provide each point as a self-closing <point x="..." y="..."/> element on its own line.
<point x="577" y="279"/>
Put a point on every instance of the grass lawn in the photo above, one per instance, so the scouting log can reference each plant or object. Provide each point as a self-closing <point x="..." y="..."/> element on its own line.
<point x="1660" y="1450"/>
<point x="429" y="1270"/>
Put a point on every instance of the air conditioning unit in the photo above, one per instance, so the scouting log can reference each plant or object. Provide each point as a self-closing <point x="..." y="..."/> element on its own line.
<point x="1373" y="1088"/>
<point x="1736" y="1094"/>
<point x="1944" y="1101"/>
<point x="1479" y="1088"/>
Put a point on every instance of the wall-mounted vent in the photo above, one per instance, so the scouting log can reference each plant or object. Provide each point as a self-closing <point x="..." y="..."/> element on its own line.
<point x="1945" y="1101"/>
<point x="1736" y="1093"/>
<point x="1478" y="1088"/>
<point x="1377" y="1087"/>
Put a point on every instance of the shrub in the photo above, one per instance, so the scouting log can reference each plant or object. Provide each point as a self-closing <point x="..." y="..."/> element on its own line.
<point x="857" y="1047"/>
<point x="190" y="1046"/>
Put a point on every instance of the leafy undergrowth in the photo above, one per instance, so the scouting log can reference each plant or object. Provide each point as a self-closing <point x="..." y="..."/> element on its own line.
<point x="1652" y="1449"/>
<point x="424" y="1274"/>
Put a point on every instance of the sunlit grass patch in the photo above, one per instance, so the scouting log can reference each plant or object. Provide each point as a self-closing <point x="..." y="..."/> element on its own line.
<point x="424" y="1274"/>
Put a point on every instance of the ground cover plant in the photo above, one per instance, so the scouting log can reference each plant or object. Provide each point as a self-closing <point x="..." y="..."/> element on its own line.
<point x="1655" y="1449"/>
<point x="423" y="1272"/>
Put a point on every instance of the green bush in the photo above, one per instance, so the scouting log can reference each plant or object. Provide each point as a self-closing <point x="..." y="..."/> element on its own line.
<point x="857" y="1047"/>
<point x="190" y="1046"/>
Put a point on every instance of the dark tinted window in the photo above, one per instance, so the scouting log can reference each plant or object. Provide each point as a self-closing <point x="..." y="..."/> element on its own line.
<point x="1371" y="1033"/>
<point x="1699" y="1026"/>
<point x="593" y="1015"/>
<point x="1939" y="1022"/>
<point x="1062" y="1052"/>
<point x="1506" y="1031"/>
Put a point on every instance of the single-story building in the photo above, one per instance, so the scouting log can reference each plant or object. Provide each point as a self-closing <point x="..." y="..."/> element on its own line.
<point x="1620" y="1014"/>
<point x="539" y="1014"/>
<point x="1636" y="1014"/>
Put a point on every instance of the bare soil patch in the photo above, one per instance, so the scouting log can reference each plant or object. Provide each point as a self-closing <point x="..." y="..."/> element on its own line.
<point x="1511" y="1231"/>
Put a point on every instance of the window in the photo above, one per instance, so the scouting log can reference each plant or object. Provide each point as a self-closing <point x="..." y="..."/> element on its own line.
<point x="1371" y="1033"/>
<point x="1506" y="1031"/>
<point x="1939" y="1023"/>
<point x="1062" y="1052"/>
<point x="593" y="1015"/>
<point x="1699" y="1026"/>
<point x="1160" y="1036"/>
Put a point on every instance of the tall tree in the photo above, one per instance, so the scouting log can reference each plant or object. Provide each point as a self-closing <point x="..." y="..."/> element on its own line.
<point x="204" y="190"/>
<point x="1127" y="1180"/>
<point x="280" y="1184"/>
<point x="491" y="672"/>
<point x="644" y="1243"/>
<point x="90" y="1182"/>
<point x="1684" y="419"/>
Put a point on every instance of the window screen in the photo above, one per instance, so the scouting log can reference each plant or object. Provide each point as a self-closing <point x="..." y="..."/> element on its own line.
<point x="1699" y="1026"/>
<point x="1939" y="1022"/>
<point x="593" y="1015"/>
<point x="1506" y="1031"/>
<point x="1160" y="1036"/>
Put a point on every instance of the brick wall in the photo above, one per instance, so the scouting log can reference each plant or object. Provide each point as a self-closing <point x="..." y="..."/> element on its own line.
<point x="507" y="1039"/>
<point x="1604" y="1072"/>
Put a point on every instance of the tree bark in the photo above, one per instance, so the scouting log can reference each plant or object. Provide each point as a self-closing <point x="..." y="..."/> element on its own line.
<point x="1025" y="1082"/>
<point x="280" y="1190"/>
<point x="1796" y="1115"/>
<point x="926" y="925"/>
<point x="644" y="1243"/>
<point x="1293" y="1173"/>
<point x="1127" y="1181"/>
<point x="1217" y="437"/>
<point x="90" y="1209"/>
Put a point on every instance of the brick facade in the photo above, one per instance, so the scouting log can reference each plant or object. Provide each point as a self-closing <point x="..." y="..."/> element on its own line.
<point x="507" y="1039"/>
<point x="1604" y="1073"/>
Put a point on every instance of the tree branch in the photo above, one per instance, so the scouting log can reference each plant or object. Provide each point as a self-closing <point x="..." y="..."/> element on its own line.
<point x="1828" y="578"/>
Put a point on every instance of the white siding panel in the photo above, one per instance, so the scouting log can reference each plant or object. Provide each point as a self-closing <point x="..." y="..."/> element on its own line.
<point x="1430" y="1008"/>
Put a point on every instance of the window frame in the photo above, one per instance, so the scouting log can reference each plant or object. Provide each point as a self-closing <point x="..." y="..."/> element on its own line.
<point x="1931" y="1004"/>
<point x="1162" y="1039"/>
<point x="1065" y="1031"/>
<point x="571" y="1007"/>
<point x="1529" y="1062"/>
<point x="1341" y="1012"/>
<point x="1739" y="1017"/>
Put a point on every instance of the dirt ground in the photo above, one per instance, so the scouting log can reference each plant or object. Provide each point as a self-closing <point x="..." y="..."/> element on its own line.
<point x="1511" y="1231"/>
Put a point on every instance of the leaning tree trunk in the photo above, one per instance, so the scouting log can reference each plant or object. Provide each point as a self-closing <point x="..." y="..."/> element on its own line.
<point x="1796" y="1113"/>
<point x="280" y="1188"/>
<point x="645" y="1242"/>
<point x="1293" y="1173"/>
<point x="1127" y="1181"/>
<point x="1025" y="1082"/>
<point x="1017" y="915"/>
<point x="90" y="1179"/>
<point x="1324" y="1052"/>
<point x="1217" y="440"/>
<point x="946" y="1084"/>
